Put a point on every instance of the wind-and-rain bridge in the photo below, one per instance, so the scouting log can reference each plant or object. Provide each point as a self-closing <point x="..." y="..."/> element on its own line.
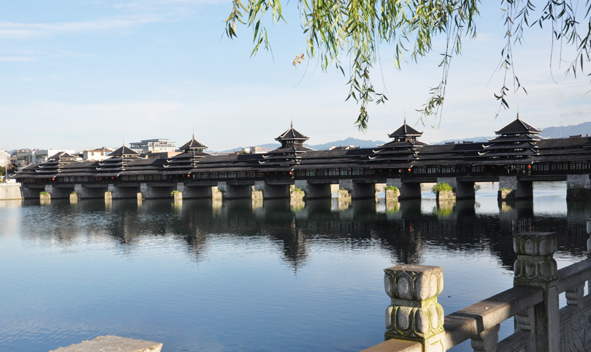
<point x="515" y="158"/>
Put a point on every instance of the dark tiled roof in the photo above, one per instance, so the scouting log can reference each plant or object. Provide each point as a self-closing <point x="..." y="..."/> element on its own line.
<point x="512" y="139"/>
<point x="405" y="144"/>
<point x="518" y="127"/>
<point x="193" y="144"/>
<point x="123" y="150"/>
<point x="290" y="149"/>
<point x="62" y="155"/>
<point x="405" y="130"/>
<point x="292" y="134"/>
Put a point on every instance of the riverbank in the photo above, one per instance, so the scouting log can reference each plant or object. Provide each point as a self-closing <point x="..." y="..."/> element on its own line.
<point x="10" y="191"/>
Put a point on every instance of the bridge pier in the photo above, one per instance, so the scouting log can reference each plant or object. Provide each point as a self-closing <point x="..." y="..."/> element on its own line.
<point x="358" y="190"/>
<point x="461" y="189"/>
<point x="84" y="192"/>
<point x="578" y="187"/>
<point x="190" y="192"/>
<point x="30" y="192"/>
<point x="58" y="192"/>
<point x="272" y="191"/>
<point x="234" y="191"/>
<point x="407" y="190"/>
<point x="122" y="192"/>
<point x="152" y="192"/>
<point x="512" y="188"/>
<point x="313" y="190"/>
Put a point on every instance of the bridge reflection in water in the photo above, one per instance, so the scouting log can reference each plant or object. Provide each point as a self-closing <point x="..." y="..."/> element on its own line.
<point x="403" y="228"/>
<point x="276" y="262"/>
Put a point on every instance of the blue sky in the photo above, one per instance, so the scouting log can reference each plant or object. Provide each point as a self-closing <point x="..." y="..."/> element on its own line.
<point x="83" y="74"/>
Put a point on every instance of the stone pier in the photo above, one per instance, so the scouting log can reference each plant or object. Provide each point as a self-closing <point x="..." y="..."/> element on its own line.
<point x="578" y="187"/>
<point x="407" y="190"/>
<point x="59" y="192"/>
<point x="313" y="190"/>
<point x="85" y="192"/>
<point x="122" y="192"/>
<point x="272" y="191"/>
<point x="31" y="192"/>
<point x="358" y="190"/>
<point x="234" y="191"/>
<point x="190" y="192"/>
<point x="511" y="188"/>
<point x="155" y="191"/>
<point x="461" y="189"/>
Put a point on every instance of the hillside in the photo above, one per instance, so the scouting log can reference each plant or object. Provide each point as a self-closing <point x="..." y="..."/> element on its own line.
<point x="548" y="132"/>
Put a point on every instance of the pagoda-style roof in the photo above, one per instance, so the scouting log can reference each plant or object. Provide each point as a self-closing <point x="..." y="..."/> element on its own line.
<point x="292" y="135"/>
<point x="518" y="126"/>
<point x="405" y="131"/>
<point x="193" y="144"/>
<point x="124" y="151"/>
<point x="62" y="156"/>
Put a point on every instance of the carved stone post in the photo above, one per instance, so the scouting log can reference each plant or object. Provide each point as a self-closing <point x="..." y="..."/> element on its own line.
<point x="414" y="314"/>
<point x="535" y="266"/>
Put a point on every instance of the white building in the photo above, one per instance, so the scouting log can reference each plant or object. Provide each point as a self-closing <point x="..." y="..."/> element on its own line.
<point x="37" y="156"/>
<point x="96" y="154"/>
<point x="255" y="150"/>
<point x="153" y="146"/>
<point x="4" y="158"/>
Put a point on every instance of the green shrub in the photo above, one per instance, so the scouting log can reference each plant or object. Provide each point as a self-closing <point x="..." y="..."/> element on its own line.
<point x="392" y="188"/>
<point x="296" y="190"/>
<point x="445" y="211"/>
<point x="43" y="193"/>
<point x="441" y="187"/>
<point x="173" y="193"/>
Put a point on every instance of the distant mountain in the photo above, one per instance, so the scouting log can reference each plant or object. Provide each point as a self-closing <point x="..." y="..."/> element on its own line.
<point x="343" y="142"/>
<point x="473" y="139"/>
<point x="347" y="142"/>
<point x="565" y="131"/>
<point x="548" y="132"/>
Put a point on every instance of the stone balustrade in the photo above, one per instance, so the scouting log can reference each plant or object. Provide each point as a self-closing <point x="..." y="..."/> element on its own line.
<point x="414" y="320"/>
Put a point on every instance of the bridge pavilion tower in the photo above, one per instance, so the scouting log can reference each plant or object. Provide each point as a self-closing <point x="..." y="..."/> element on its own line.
<point x="117" y="161"/>
<point x="123" y="170"/>
<point x="402" y="150"/>
<point x="291" y="150"/>
<point x="516" y="140"/>
<point x="400" y="153"/>
<point x="182" y="164"/>
<point x="282" y="161"/>
<point x="54" y="166"/>
<point x="192" y="153"/>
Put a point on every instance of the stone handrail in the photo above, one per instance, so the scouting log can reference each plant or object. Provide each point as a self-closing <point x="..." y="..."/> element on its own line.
<point x="473" y="321"/>
<point x="414" y="319"/>
<point x="486" y="315"/>
<point x="573" y="275"/>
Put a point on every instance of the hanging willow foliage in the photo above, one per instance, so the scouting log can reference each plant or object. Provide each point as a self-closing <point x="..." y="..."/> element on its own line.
<point x="350" y="31"/>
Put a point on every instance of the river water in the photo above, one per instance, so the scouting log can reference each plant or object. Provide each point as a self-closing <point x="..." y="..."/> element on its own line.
<point x="238" y="277"/>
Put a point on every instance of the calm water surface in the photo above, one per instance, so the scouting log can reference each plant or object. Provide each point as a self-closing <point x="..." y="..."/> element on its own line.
<point x="242" y="278"/>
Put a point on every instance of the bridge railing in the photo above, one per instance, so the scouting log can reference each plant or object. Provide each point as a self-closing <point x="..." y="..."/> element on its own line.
<point x="415" y="322"/>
